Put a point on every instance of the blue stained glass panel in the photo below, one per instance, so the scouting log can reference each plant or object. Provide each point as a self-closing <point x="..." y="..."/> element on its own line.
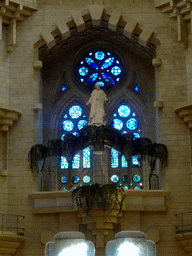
<point x="83" y="71"/>
<point x="124" y="111"/>
<point x="64" y="179"/>
<point x="135" y="160"/>
<point x="114" y="178"/>
<point x="76" y="161"/>
<point x="136" y="187"/>
<point x="62" y="136"/>
<point x="117" y="124"/>
<point x="136" y="135"/>
<point x="75" y="179"/>
<point x="82" y="123"/>
<point x="108" y="78"/>
<point x="75" y="111"/>
<point x="124" y="163"/>
<point x="136" y="88"/>
<point x="91" y="63"/>
<point x="99" y="55"/>
<point x="101" y="84"/>
<point x="63" y="88"/>
<point x="86" y="158"/>
<point x="75" y="133"/>
<point x="68" y="125"/>
<point x="116" y="70"/>
<point x="86" y="179"/>
<point x="132" y="124"/>
<point x="114" y="158"/>
<point x="64" y="163"/>
<point x="107" y="63"/>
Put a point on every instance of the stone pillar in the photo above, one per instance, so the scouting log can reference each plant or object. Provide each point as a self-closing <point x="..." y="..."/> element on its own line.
<point x="100" y="167"/>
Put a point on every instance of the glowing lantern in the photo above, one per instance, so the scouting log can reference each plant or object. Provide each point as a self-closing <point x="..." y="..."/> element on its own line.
<point x="130" y="243"/>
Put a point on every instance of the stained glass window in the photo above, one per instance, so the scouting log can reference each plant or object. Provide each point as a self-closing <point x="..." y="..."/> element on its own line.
<point x="75" y="179"/>
<point x="86" y="158"/>
<point x="64" y="179"/>
<point x="114" y="158"/>
<point x="99" y="66"/>
<point x="76" y="161"/>
<point x="73" y="121"/>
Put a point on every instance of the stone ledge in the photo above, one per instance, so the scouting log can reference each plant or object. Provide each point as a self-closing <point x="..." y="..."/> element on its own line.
<point x="135" y="200"/>
<point x="9" y="243"/>
<point x="184" y="111"/>
<point x="7" y="117"/>
<point x="185" y="240"/>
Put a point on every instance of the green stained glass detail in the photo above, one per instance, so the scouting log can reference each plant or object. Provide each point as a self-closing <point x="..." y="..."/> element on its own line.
<point x="75" y="179"/>
<point x="64" y="179"/>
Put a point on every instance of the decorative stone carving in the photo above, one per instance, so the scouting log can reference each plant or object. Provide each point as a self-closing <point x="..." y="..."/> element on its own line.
<point x="184" y="111"/>
<point x="7" y="118"/>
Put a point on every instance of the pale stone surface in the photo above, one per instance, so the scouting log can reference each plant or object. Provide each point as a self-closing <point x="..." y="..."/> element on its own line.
<point x="21" y="85"/>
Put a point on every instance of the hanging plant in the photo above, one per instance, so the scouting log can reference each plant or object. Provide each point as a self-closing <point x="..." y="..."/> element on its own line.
<point x="98" y="137"/>
<point x="103" y="196"/>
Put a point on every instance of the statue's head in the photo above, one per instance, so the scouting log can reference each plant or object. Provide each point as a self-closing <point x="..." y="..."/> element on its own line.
<point x="97" y="86"/>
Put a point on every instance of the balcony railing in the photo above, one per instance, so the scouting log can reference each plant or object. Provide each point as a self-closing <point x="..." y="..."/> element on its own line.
<point x="13" y="224"/>
<point x="185" y="222"/>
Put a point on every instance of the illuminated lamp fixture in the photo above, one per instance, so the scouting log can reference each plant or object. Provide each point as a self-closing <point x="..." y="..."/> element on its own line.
<point x="69" y="243"/>
<point x="131" y="243"/>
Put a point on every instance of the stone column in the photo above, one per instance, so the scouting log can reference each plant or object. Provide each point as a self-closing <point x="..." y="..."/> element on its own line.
<point x="100" y="167"/>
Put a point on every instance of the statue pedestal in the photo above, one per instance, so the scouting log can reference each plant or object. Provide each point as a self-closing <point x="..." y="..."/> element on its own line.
<point x="100" y="168"/>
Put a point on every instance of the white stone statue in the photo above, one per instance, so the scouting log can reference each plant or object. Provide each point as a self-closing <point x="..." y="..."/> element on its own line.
<point x="97" y="101"/>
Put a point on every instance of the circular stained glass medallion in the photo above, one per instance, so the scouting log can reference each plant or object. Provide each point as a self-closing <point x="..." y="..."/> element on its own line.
<point x="132" y="124"/>
<point x="75" y="111"/>
<point x="117" y="124"/>
<point x="64" y="179"/>
<point x="68" y="125"/>
<point x="86" y="179"/>
<point x="114" y="178"/>
<point x="81" y="124"/>
<point x="136" y="178"/>
<point x="75" y="179"/>
<point x="124" y="111"/>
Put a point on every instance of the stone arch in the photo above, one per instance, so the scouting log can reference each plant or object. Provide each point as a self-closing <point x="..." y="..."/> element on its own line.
<point x="96" y="16"/>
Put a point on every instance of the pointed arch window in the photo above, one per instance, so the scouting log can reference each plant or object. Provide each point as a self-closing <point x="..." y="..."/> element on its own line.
<point x="126" y="121"/>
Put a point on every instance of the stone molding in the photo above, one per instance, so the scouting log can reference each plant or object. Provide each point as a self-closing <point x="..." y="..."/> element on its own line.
<point x="135" y="200"/>
<point x="181" y="11"/>
<point x="9" y="243"/>
<point x="184" y="111"/>
<point x="7" y="118"/>
<point x="185" y="239"/>
<point x="94" y="16"/>
<point x="12" y="12"/>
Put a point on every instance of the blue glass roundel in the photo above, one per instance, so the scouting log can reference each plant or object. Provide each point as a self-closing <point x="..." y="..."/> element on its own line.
<point x="83" y="71"/>
<point x="81" y="124"/>
<point x="132" y="124"/>
<point x="68" y="125"/>
<point x="114" y="178"/>
<point x="86" y="179"/>
<point x="124" y="111"/>
<point x="117" y="124"/>
<point x="99" y="55"/>
<point x="116" y="70"/>
<point x="75" y="179"/>
<point x="99" y="66"/>
<point x="64" y="179"/>
<point x="136" y="178"/>
<point x="75" y="111"/>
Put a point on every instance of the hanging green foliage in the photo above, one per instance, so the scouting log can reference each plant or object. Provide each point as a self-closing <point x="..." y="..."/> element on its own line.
<point x="103" y="196"/>
<point x="98" y="137"/>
